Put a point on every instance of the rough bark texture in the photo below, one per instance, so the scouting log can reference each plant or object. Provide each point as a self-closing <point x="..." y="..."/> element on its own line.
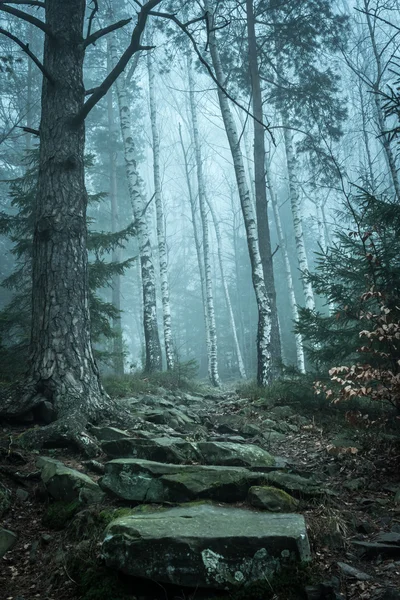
<point x="264" y="239"/>
<point x="62" y="367"/>
<point x="288" y="270"/>
<point x="118" y="361"/>
<point x="263" y="303"/>
<point x="213" y="354"/>
<point x="296" y="213"/>
<point x="152" y="340"/>
<point x="162" y="246"/>
<point x="214" y="217"/>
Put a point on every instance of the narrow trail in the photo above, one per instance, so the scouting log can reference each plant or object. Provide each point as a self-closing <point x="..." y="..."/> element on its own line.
<point x="343" y="480"/>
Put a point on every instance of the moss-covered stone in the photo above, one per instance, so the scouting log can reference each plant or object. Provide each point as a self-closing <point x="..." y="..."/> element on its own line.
<point x="271" y="499"/>
<point x="58" y="514"/>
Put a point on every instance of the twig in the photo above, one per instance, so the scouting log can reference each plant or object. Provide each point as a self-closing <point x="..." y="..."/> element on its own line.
<point x="25" y="48"/>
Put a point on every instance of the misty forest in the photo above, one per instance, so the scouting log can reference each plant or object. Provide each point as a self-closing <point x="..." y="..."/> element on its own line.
<point x="200" y="299"/>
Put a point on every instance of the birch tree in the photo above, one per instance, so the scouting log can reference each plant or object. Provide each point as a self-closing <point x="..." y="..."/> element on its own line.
<point x="161" y="236"/>
<point x="263" y="303"/>
<point x="135" y="186"/>
<point x="213" y="353"/>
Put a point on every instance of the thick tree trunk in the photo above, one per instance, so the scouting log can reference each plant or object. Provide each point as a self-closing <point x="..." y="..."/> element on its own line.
<point x="199" y="254"/>
<point x="162" y="246"/>
<point x="264" y="239"/>
<point x="296" y="213"/>
<point x="152" y="340"/>
<point x="263" y="303"/>
<point x="213" y="354"/>
<point x="242" y="370"/>
<point x="62" y="367"/>
<point x="118" y="359"/>
<point x="288" y="270"/>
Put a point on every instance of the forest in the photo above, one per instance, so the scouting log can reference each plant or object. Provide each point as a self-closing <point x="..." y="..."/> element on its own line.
<point x="200" y="299"/>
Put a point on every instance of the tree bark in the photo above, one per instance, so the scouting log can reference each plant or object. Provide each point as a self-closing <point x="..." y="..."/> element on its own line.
<point x="263" y="302"/>
<point x="213" y="352"/>
<point x="296" y="213"/>
<point x="162" y="246"/>
<point x="264" y="238"/>
<point x="152" y="340"/>
<point x="62" y="367"/>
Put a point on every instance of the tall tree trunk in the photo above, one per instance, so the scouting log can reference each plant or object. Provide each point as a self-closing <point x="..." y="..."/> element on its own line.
<point x="288" y="270"/>
<point x="264" y="238"/>
<point x="151" y="336"/>
<point x="118" y="359"/>
<point x="62" y="367"/>
<point x="213" y="354"/>
<point x="383" y="136"/>
<point x="197" y="244"/>
<point x="162" y="246"/>
<point x="242" y="370"/>
<point x="263" y="303"/>
<point x="296" y="213"/>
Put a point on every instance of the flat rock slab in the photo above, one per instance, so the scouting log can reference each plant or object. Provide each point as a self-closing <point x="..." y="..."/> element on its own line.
<point x="176" y="451"/>
<point x="297" y="486"/>
<point x="154" y="482"/>
<point x="205" y="546"/>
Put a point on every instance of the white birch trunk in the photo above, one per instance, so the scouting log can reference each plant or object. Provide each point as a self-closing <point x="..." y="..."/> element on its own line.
<point x="242" y="370"/>
<point x="162" y="248"/>
<point x="152" y="340"/>
<point x="199" y="253"/>
<point x="296" y="213"/>
<point x="213" y="354"/>
<point x="288" y="270"/>
<point x="263" y="304"/>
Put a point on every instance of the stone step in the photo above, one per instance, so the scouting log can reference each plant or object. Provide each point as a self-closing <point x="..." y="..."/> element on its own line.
<point x="154" y="482"/>
<point x="205" y="546"/>
<point x="177" y="451"/>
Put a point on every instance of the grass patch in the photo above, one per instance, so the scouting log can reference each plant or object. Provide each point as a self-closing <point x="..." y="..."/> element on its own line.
<point x="59" y="513"/>
<point x="180" y="378"/>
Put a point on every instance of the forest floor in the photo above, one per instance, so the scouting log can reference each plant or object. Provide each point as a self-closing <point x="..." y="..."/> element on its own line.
<point x="361" y="475"/>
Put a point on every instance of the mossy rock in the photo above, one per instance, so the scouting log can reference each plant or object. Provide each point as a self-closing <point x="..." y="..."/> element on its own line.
<point x="272" y="499"/>
<point x="59" y="513"/>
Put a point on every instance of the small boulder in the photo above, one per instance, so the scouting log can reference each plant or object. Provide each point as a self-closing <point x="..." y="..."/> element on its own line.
<point x="63" y="483"/>
<point x="231" y="454"/>
<point x="298" y="486"/>
<point x="272" y="499"/>
<point x="7" y="540"/>
<point x="107" y="433"/>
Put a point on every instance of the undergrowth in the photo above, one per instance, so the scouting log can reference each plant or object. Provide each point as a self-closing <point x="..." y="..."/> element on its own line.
<point x="181" y="377"/>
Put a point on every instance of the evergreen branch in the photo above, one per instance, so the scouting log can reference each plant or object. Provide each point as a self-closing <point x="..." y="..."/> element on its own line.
<point x="91" y="39"/>
<point x="26" y="17"/>
<point x="133" y="47"/>
<point x="25" y="48"/>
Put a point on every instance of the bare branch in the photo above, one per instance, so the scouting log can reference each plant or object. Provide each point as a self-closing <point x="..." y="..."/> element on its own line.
<point x="133" y="47"/>
<point x="25" y="17"/>
<point x="184" y="28"/>
<point x="91" y="17"/>
<point x="91" y="39"/>
<point x="25" y="48"/>
<point x="30" y="130"/>
<point x="35" y="3"/>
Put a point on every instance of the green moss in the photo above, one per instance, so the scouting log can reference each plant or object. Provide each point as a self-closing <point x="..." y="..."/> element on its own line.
<point x="95" y="581"/>
<point x="59" y="513"/>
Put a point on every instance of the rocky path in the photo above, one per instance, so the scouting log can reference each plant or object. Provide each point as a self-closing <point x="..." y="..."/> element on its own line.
<point x="207" y="492"/>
